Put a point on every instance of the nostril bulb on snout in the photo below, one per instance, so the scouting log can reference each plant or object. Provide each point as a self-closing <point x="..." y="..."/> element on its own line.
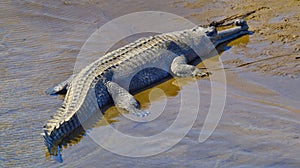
<point x="239" y="22"/>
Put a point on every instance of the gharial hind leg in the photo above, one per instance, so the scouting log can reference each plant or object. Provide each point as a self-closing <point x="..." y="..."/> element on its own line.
<point x="61" y="87"/>
<point x="180" y="68"/>
<point x="124" y="100"/>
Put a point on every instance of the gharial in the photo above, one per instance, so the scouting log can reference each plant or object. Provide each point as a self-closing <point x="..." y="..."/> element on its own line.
<point x="145" y="61"/>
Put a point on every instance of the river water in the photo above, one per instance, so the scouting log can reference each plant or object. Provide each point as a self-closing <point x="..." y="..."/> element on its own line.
<point x="260" y="125"/>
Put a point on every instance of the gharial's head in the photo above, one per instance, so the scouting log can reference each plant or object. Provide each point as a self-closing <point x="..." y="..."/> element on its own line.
<point x="217" y="37"/>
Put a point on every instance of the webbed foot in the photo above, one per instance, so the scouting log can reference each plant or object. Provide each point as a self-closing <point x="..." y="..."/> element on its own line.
<point x="124" y="100"/>
<point x="199" y="73"/>
<point x="60" y="87"/>
<point x="180" y="68"/>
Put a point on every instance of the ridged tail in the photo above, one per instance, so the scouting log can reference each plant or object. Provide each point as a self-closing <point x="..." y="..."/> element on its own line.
<point x="54" y="138"/>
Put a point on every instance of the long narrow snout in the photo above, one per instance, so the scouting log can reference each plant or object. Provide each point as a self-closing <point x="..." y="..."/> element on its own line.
<point x="241" y="28"/>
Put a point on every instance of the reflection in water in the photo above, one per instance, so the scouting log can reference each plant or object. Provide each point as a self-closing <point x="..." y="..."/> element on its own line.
<point x="74" y="137"/>
<point x="58" y="157"/>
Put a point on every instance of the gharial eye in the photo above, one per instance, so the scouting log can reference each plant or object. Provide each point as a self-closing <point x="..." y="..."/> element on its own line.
<point x="211" y="32"/>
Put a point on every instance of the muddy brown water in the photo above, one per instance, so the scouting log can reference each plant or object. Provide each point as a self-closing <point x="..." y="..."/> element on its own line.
<point x="260" y="125"/>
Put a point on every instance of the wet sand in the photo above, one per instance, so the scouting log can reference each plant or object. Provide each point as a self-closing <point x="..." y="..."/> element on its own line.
<point x="260" y="124"/>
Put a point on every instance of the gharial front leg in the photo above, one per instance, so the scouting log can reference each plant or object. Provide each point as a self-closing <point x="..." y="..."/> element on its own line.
<point x="180" y="68"/>
<point x="124" y="100"/>
<point x="61" y="87"/>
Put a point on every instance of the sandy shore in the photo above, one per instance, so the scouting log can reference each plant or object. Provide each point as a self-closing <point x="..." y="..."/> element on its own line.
<point x="275" y="44"/>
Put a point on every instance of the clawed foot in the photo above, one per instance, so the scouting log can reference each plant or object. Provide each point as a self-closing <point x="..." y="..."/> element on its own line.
<point x="60" y="88"/>
<point x="198" y="73"/>
<point x="124" y="100"/>
<point x="139" y="113"/>
<point x="56" y="89"/>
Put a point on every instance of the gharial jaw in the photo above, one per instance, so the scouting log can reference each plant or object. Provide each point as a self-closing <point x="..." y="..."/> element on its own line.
<point x="217" y="37"/>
